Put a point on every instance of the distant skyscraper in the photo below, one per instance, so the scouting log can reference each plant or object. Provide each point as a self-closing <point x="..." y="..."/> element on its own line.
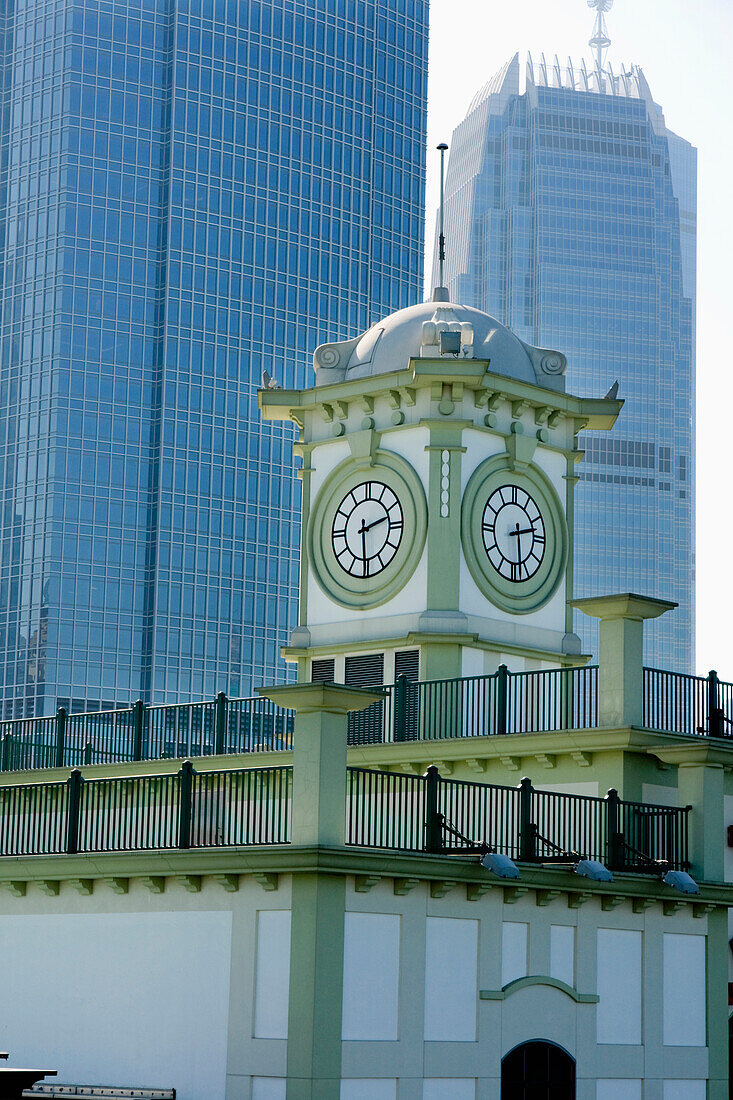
<point x="189" y="189"/>
<point x="571" y="216"/>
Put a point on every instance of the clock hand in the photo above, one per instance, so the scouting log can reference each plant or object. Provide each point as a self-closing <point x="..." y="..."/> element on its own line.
<point x="526" y="531"/>
<point x="374" y="524"/>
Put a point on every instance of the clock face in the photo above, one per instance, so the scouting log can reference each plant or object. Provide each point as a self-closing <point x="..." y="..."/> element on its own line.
<point x="367" y="529"/>
<point x="513" y="533"/>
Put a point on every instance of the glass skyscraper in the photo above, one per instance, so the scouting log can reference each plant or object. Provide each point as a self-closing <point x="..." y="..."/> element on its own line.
<point x="570" y="215"/>
<point x="191" y="191"/>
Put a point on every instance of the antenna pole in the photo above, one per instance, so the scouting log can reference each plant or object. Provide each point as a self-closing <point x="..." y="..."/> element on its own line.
<point x="441" y="236"/>
<point x="600" y="40"/>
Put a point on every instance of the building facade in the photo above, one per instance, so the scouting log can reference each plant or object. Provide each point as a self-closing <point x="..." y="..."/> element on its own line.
<point x="570" y="215"/>
<point x="372" y="904"/>
<point x="188" y="191"/>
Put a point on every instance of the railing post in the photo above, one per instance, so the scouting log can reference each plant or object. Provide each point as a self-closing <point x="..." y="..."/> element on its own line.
<point x="502" y="698"/>
<point x="185" y="791"/>
<point x="138" y="719"/>
<point x="88" y="749"/>
<point x="527" y="828"/>
<point x="221" y="724"/>
<point x="715" y="714"/>
<point x="74" y="783"/>
<point x="399" y="730"/>
<point x="433" y="818"/>
<point x="614" y="834"/>
<point x="5" y="756"/>
<point x="60" y="736"/>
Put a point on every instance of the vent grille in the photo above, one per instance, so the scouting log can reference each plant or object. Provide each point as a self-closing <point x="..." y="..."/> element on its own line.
<point x="366" y="670"/>
<point x="323" y="670"/>
<point x="407" y="663"/>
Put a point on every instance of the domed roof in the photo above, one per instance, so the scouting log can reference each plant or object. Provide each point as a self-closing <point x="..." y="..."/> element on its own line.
<point x="438" y="330"/>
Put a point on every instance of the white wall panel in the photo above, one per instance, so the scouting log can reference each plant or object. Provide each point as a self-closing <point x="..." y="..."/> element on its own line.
<point x="685" y="1090"/>
<point x="684" y="990"/>
<point x="364" y="1088"/>
<point x="272" y="974"/>
<point x="513" y="951"/>
<point x="449" y="1088"/>
<point x="562" y="953"/>
<point x="268" y="1088"/>
<point x="618" y="1017"/>
<point x="618" y="1089"/>
<point x="451" y="979"/>
<point x="371" y="976"/>
<point x="133" y="998"/>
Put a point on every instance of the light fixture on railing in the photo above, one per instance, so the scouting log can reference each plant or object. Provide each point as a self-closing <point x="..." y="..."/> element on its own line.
<point x="593" y="869"/>
<point x="500" y="865"/>
<point x="680" y="880"/>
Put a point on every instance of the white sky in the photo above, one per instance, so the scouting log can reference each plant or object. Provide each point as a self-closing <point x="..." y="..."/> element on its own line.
<point x="685" y="48"/>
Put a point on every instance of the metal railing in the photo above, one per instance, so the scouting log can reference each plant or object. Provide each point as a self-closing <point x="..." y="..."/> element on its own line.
<point x="214" y="727"/>
<point x="186" y="809"/>
<point x="478" y="706"/>
<point x="431" y="814"/>
<point x="475" y="706"/>
<point x="697" y="705"/>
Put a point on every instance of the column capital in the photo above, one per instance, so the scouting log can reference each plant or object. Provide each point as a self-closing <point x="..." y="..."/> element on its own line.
<point x="334" y="698"/>
<point x="623" y="605"/>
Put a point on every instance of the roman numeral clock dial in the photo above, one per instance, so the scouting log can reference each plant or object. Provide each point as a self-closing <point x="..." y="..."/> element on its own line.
<point x="513" y="533"/>
<point x="367" y="529"/>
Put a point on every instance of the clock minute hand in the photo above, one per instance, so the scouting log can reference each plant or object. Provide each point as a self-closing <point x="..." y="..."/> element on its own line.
<point x="526" y="531"/>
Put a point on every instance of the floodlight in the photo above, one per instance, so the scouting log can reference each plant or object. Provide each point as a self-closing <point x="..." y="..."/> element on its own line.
<point x="680" y="880"/>
<point x="500" y="865"/>
<point x="450" y="343"/>
<point x="592" y="869"/>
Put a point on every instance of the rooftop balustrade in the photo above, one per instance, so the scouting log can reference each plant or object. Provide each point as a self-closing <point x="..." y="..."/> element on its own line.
<point x="253" y="807"/>
<point x="503" y="703"/>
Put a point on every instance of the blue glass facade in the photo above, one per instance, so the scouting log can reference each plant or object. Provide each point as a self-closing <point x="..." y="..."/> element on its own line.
<point x="191" y="191"/>
<point x="571" y="217"/>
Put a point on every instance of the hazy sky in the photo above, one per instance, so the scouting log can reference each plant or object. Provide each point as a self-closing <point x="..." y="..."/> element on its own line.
<point x="685" y="48"/>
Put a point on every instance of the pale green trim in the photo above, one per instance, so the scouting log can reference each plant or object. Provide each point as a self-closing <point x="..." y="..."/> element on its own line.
<point x="538" y="979"/>
<point x="360" y="593"/>
<point x="305" y="473"/>
<point x="570" y="483"/>
<point x="419" y="638"/>
<point x="303" y="860"/>
<point x="600" y="414"/>
<point x="716" y="950"/>
<point x="444" y="532"/>
<point x="623" y="605"/>
<point x="522" y="597"/>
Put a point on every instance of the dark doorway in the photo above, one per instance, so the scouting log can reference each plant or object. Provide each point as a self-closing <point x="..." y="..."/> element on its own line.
<point x="538" y="1071"/>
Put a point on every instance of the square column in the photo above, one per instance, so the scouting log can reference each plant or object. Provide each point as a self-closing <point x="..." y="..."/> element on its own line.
<point x="621" y="656"/>
<point x="318" y="900"/>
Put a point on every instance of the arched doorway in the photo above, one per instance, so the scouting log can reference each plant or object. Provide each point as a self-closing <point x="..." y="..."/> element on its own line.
<point x="538" y="1070"/>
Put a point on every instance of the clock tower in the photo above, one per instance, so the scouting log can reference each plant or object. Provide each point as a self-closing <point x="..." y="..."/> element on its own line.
<point x="439" y="456"/>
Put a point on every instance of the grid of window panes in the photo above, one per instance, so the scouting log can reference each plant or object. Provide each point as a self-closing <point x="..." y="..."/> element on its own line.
<point x="191" y="191"/>
<point x="581" y="215"/>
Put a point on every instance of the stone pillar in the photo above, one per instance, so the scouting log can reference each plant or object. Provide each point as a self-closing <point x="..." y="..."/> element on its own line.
<point x="318" y="900"/>
<point x="621" y="660"/>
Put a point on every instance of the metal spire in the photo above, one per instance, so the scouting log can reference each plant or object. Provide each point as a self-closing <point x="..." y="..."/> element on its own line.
<point x="600" y="40"/>
<point x="443" y="295"/>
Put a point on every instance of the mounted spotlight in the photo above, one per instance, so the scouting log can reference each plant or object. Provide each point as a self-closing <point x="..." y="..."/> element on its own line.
<point x="500" y="865"/>
<point x="680" y="880"/>
<point x="592" y="869"/>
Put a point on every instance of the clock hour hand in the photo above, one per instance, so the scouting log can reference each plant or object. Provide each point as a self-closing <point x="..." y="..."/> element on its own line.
<point x="374" y="524"/>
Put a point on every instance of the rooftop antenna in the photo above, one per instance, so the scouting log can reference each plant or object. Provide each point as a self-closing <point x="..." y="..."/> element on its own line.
<point x="600" y="40"/>
<point x="440" y="293"/>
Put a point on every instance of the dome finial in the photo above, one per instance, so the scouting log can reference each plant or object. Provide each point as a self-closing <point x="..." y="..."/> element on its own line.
<point x="440" y="293"/>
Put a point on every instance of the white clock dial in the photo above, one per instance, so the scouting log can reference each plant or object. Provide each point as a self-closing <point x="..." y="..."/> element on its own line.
<point x="513" y="533"/>
<point x="367" y="529"/>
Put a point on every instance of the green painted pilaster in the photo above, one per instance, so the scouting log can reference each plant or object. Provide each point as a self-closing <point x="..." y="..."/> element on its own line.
<point x="571" y="480"/>
<point x="700" y="785"/>
<point x="319" y="756"/>
<point x="316" y="982"/>
<point x="621" y="653"/>
<point x="717" y="1006"/>
<point x="438" y="660"/>
<point x="304" y="474"/>
<point x="317" y="929"/>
